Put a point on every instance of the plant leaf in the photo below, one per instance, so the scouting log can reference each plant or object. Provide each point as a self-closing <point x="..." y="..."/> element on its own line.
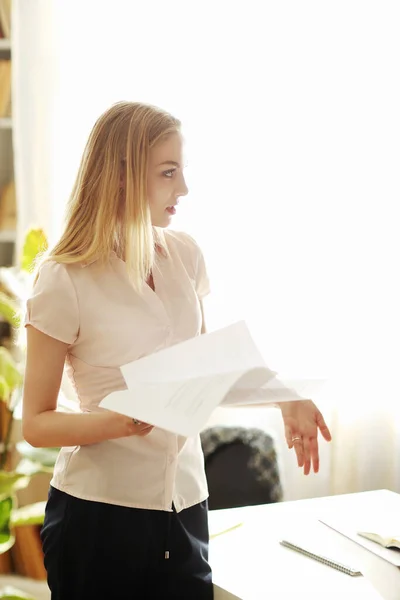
<point x="10" y="482"/>
<point x="4" y="389"/>
<point x="35" y="243"/>
<point x="6" y="537"/>
<point x="6" y="506"/>
<point x="44" y="456"/>
<point x="29" y="467"/>
<point x="11" y="593"/>
<point x="15" y="282"/>
<point x="9" y="309"/>
<point x="6" y="543"/>
<point x="33" y="514"/>
<point x="9" y="372"/>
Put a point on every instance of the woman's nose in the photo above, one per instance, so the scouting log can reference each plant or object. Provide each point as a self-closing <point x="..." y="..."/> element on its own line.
<point x="182" y="188"/>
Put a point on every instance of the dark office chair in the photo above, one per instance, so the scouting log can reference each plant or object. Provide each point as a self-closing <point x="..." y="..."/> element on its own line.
<point x="241" y="467"/>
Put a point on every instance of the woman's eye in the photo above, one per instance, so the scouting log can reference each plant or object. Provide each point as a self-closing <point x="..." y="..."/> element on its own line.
<point x="169" y="173"/>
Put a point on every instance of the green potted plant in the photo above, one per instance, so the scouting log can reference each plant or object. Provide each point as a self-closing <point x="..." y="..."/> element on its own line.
<point x="15" y="285"/>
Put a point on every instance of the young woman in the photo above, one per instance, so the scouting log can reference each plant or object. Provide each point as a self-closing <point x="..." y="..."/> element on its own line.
<point x="127" y="510"/>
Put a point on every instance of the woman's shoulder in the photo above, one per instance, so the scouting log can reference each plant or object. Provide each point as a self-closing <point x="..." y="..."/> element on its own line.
<point x="53" y="273"/>
<point x="192" y="257"/>
<point x="182" y="241"/>
<point x="49" y="265"/>
<point x="52" y="306"/>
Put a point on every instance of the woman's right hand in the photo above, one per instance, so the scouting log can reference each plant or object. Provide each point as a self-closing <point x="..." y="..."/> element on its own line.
<point x="118" y="426"/>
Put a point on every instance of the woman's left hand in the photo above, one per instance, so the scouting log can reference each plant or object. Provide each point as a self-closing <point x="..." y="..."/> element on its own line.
<point x="302" y="419"/>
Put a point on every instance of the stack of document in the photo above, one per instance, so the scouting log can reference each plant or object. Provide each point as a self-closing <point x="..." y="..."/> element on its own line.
<point x="178" y="388"/>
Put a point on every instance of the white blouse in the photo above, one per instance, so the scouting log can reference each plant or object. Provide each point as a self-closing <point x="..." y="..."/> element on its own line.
<point x="106" y="323"/>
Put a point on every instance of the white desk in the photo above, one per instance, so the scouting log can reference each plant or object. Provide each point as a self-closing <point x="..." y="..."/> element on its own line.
<point x="249" y="563"/>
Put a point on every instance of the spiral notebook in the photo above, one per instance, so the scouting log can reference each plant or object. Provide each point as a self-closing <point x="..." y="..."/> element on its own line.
<point x="329" y="561"/>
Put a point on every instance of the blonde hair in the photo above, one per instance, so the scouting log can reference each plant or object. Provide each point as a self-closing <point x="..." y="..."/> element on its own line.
<point x="108" y="210"/>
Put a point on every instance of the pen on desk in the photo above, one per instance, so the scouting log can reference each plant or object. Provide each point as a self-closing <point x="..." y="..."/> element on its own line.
<point x="323" y="559"/>
<point x="214" y="535"/>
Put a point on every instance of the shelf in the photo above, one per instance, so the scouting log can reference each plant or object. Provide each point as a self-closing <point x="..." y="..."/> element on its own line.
<point x="5" y="44"/>
<point x="5" y="123"/>
<point x="8" y="236"/>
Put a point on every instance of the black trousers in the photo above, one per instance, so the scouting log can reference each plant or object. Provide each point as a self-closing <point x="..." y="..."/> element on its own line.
<point x="102" y="551"/>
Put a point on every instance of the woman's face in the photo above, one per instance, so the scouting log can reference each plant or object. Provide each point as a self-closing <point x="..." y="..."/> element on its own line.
<point x="165" y="180"/>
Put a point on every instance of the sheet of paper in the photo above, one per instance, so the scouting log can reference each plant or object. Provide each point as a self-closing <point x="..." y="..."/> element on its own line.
<point x="226" y="350"/>
<point x="183" y="407"/>
<point x="275" y="390"/>
<point x="178" y="388"/>
<point x="349" y="524"/>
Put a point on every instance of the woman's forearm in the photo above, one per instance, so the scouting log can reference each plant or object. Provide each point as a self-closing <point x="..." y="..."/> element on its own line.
<point x="53" y="429"/>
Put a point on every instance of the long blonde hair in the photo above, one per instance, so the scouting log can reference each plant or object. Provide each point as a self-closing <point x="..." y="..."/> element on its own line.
<point x="108" y="210"/>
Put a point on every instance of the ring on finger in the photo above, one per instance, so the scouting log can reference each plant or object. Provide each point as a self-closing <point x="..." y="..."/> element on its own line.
<point x="297" y="439"/>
